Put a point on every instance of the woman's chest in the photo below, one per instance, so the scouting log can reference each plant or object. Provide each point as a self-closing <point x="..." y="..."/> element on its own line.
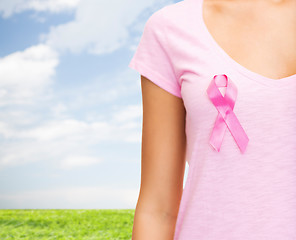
<point x="262" y="40"/>
<point x="263" y="114"/>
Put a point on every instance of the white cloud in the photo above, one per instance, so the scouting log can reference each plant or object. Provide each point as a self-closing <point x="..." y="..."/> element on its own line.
<point x="104" y="89"/>
<point x="10" y="7"/>
<point x="130" y="112"/>
<point x="59" y="110"/>
<point x="76" y="130"/>
<point x="25" y="75"/>
<point x="73" y="161"/>
<point x="16" y="117"/>
<point x="53" y="140"/>
<point x="73" y="198"/>
<point x="51" y="133"/>
<point x="99" y="26"/>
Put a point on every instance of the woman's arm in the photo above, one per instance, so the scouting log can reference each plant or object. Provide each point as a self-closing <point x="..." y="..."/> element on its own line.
<point x="162" y="163"/>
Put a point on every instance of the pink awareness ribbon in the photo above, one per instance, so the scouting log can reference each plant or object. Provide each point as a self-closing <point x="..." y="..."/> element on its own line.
<point x="226" y="116"/>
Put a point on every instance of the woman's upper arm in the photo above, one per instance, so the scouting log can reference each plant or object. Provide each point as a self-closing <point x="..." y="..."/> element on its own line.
<point x="163" y="150"/>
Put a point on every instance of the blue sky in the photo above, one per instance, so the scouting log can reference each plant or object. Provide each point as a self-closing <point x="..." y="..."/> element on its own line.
<point x="71" y="110"/>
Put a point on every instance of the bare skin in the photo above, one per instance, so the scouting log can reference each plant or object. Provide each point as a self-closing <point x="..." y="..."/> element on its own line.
<point x="269" y="49"/>
<point x="261" y="41"/>
<point x="163" y="163"/>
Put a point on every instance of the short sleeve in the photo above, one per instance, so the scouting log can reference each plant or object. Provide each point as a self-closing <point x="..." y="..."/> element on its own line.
<point x="151" y="58"/>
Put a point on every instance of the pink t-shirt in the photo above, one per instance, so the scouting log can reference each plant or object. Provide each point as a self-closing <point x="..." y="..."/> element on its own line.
<point x="241" y="151"/>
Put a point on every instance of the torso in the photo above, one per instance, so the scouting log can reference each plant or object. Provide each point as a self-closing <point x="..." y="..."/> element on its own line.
<point x="263" y="42"/>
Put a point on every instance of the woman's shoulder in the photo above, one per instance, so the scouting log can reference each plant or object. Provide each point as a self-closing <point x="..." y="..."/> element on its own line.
<point x="171" y="13"/>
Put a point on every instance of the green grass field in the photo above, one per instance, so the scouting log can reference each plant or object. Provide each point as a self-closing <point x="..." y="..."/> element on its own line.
<point x="66" y="224"/>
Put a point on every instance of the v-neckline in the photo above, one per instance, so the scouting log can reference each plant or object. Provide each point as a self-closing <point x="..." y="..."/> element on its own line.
<point x="245" y="71"/>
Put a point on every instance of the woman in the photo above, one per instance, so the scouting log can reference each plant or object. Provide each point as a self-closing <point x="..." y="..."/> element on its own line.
<point x="218" y="84"/>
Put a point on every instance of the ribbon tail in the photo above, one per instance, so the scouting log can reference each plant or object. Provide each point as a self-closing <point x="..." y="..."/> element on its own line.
<point x="218" y="133"/>
<point x="237" y="131"/>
